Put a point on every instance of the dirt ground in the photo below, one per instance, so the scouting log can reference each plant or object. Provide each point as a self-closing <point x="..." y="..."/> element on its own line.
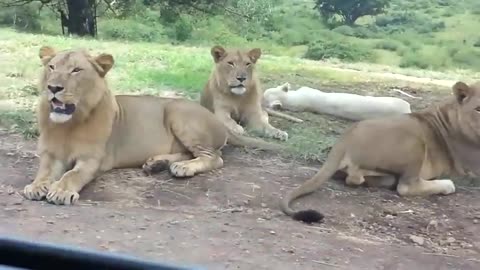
<point x="229" y="219"/>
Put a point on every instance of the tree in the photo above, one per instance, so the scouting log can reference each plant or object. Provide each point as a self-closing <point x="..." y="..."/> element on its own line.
<point x="350" y="10"/>
<point x="78" y="16"/>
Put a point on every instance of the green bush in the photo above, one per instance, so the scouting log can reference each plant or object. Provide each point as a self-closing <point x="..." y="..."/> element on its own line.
<point x="181" y="30"/>
<point x="324" y="49"/>
<point x="427" y="58"/>
<point x="389" y="45"/>
<point x="25" y="18"/>
<point x="466" y="58"/>
<point x="476" y="43"/>
<point x="403" y="21"/>
<point x="130" y="30"/>
<point x="213" y="30"/>
<point x="345" y="30"/>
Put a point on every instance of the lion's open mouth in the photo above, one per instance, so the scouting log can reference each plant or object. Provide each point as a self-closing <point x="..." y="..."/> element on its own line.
<point x="59" y="107"/>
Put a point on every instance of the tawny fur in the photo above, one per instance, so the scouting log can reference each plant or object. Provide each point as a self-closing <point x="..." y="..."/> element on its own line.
<point x="408" y="152"/>
<point x="124" y="131"/>
<point x="234" y="95"/>
<point x="345" y="105"/>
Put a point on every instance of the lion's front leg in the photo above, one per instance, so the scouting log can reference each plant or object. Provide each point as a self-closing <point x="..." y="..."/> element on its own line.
<point x="65" y="191"/>
<point x="257" y="121"/>
<point x="49" y="170"/>
<point x="227" y="120"/>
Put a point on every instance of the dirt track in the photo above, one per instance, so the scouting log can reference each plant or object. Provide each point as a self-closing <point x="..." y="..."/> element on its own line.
<point x="229" y="219"/>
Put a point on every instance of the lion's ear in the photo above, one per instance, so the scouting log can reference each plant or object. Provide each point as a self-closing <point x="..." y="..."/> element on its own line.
<point x="255" y="54"/>
<point x="46" y="53"/>
<point x="105" y="61"/>
<point x="218" y="52"/>
<point x="461" y="91"/>
<point x="285" y="87"/>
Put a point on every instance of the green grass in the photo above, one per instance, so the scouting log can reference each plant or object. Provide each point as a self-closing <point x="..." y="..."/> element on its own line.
<point x="150" y="68"/>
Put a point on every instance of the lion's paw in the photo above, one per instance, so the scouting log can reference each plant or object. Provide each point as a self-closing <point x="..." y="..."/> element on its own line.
<point x="59" y="195"/>
<point x="237" y="129"/>
<point x="180" y="169"/>
<point x="36" y="191"/>
<point x="448" y="186"/>
<point x="153" y="166"/>
<point x="278" y="134"/>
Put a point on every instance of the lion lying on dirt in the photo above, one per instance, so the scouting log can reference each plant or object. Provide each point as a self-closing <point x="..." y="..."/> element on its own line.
<point x="409" y="151"/>
<point x="345" y="105"/>
<point x="234" y="95"/>
<point x="86" y="130"/>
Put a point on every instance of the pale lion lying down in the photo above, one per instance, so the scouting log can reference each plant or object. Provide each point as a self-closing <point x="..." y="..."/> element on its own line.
<point x="409" y="152"/>
<point x="349" y="106"/>
<point x="86" y="130"/>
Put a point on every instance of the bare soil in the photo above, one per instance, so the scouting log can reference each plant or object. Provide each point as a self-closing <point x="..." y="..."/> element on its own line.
<point x="229" y="219"/>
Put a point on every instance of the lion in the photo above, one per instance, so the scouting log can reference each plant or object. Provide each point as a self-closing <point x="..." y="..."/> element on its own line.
<point x="353" y="107"/>
<point x="234" y="95"/>
<point x="409" y="152"/>
<point x="85" y="130"/>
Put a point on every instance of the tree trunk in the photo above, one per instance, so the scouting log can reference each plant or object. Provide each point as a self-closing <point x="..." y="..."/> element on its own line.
<point x="81" y="17"/>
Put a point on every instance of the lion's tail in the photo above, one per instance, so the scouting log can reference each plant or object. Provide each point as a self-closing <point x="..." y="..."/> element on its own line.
<point x="283" y="115"/>
<point x="326" y="172"/>
<point x="240" y="140"/>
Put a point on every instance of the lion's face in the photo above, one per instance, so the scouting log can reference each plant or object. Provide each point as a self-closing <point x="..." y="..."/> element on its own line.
<point x="468" y="98"/>
<point x="71" y="81"/>
<point x="273" y="97"/>
<point x="235" y="67"/>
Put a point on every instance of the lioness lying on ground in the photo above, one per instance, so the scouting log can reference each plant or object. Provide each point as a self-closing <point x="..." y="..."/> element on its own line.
<point x="85" y="130"/>
<point x="234" y="95"/>
<point x="409" y="151"/>
<point x="345" y="105"/>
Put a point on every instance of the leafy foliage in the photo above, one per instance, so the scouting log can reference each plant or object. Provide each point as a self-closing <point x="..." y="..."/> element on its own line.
<point x="350" y="10"/>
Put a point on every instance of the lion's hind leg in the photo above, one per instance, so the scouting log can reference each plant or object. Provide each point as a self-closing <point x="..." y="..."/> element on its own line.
<point x="205" y="160"/>
<point x="201" y="133"/>
<point x="160" y="163"/>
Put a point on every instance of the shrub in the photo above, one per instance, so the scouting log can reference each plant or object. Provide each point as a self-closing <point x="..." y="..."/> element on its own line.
<point x="345" y="30"/>
<point x="466" y="57"/>
<point x="427" y="58"/>
<point x="182" y="29"/>
<point x="389" y="45"/>
<point x="324" y="49"/>
<point x="130" y="30"/>
<point x="476" y="43"/>
<point x="404" y="21"/>
<point x="24" y="18"/>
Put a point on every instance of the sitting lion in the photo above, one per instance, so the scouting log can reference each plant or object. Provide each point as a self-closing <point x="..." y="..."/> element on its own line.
<point x="409" y="152"/>
<point x="86" y="130"/>
<point x="234" y="95"/>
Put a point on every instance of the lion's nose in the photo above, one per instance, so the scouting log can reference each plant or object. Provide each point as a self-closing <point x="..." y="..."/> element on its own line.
<point x="55" y="89"/>
<point x="241" y="78"/>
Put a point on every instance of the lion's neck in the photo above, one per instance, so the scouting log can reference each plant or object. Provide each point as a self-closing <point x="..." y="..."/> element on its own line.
<point x="462" y="149"/>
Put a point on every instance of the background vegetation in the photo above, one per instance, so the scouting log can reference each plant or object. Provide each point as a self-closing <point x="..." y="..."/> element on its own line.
<point x="425" y="34"/>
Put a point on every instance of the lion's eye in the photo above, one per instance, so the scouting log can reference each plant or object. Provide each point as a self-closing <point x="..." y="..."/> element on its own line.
<point x="52" y="67"/>
<point x="248" y="64"/>
<point x="75" y="70"/>
<point x="231" y="63"/>
<point x="477" y="109"/>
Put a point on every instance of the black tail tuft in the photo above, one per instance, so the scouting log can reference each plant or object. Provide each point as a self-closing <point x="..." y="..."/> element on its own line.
<point x="308" y="216"/>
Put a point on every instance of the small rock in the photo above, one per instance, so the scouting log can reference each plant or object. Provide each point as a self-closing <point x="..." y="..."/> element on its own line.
<point x="50" y="222"/>
<point x="451" y="240"/>
<point x="475" y="221"/>
<point x="433" y="224"/>
<point x="417" y="240"/>
<point x="264" y="205"/>
<point x="273" y="232"/>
